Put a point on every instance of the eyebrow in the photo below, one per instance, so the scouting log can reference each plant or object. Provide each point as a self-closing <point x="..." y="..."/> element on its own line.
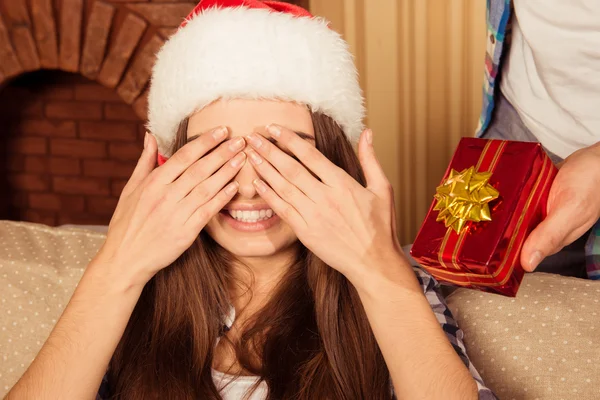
<point x="302" y="135"/>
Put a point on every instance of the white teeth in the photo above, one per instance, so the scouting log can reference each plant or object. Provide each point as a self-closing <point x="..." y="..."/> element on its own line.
<point x="251" y="216"/>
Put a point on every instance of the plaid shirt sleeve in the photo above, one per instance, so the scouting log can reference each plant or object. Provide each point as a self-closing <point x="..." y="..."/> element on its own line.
<point x="592" y="253"/>
<point x="498" y="35"/>
<point x="455" y="335"/>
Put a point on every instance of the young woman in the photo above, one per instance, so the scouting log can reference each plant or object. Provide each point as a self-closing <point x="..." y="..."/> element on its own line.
<point x="259" y="260"/>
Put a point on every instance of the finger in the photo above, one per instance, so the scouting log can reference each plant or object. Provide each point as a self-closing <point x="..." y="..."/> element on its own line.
<point x="291" y="169"/>
<point x="190" y="153"/>
<point x="548" y="238"/>
<point x="313" y="159"/>
<point x="286" y="190"/>
<point x="203" y="192"/>
<point x="377" y="182"/>
<point x="207" y="165"/>
<point x="283" y="209"/>
<point x="204" y="213"/>
<point x="145" y="164"/>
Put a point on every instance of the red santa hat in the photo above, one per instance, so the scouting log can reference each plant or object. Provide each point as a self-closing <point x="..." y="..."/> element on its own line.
<point x="253" y="50"/>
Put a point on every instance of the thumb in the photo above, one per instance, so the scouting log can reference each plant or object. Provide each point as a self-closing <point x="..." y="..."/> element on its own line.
<point x="145" y="164"/>
<point x="376" y="179"/>
<point x="548" y="238"/>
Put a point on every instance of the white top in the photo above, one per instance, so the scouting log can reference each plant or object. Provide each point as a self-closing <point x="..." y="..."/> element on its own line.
<point x="237" y="389"/>
<point x="232" y="388"/>
<point x="552" y="76"/>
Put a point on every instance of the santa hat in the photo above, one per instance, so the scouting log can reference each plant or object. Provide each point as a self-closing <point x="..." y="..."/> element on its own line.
<point x="253" y="50"/>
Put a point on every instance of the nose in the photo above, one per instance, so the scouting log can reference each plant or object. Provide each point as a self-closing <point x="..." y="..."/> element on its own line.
<point x="245" y="177"/>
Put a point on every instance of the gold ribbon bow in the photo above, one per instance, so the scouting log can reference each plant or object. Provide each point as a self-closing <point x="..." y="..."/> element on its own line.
<point x="464" y="196"/>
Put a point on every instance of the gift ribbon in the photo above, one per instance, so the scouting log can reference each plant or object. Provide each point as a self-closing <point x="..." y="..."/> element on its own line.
<point x="464" y="196"/>
<point x="487" y="163"/>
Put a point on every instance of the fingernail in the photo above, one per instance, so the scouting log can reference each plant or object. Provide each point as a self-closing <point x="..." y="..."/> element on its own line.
<point x="255" y="140"/>
<point x="369" y="136"/>
<point x="255" y="158"/>
<point x="535" y="260"/>
<point x="145" y="139"/>
<point x="236" y="144"/>
<point x="238" y="160"/>
<point x="232" y="188"/>
<point x="260" y="185"/>
<point x="274" y="130"/>
<point x="219" y="133"/>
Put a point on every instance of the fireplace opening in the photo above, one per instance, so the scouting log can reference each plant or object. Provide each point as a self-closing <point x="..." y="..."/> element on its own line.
<point x="68" y="146"/>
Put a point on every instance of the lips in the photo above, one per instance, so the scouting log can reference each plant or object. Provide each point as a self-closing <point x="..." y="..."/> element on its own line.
<point x="249" y="217"/>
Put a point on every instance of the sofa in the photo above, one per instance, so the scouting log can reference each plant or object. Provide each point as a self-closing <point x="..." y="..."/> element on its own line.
<point x="542" y="344"/>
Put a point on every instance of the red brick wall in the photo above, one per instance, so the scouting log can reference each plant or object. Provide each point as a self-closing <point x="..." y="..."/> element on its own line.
<point x="69" y="140"/>
<point x="69" y="146"/>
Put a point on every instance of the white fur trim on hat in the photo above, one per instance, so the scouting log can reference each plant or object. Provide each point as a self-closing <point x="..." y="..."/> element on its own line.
<point x="253" y="54"/>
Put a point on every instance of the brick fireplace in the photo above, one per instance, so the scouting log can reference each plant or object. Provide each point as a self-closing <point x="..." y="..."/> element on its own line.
<point x="73" y="88"/>
<point x="70" y="146"/>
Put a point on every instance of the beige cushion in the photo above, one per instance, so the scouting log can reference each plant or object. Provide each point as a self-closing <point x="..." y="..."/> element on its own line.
<point x="543" y="344"/>
<point x="39" y="269"/>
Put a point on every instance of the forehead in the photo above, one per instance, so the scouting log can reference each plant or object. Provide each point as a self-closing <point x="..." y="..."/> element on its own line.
<point x="246" y="116"/>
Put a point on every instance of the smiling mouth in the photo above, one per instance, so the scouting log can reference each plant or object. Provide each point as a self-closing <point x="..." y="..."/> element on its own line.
<point x="251" y="216"/>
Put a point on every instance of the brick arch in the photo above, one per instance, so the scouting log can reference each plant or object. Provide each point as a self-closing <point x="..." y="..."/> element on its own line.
<point x="112" y="42"/>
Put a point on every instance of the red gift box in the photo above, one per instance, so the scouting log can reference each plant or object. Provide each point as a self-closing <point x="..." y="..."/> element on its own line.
<point x="493" y="194"/>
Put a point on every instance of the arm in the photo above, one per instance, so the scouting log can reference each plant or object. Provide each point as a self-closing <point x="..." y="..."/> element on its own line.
<point x="159" y="215"/>
<point x="73" y="360"/>
<point x="352" y="229"/>
<point x="422" y="361"/>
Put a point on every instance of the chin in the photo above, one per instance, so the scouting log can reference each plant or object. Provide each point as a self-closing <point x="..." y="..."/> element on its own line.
<point x="261" y="243"/>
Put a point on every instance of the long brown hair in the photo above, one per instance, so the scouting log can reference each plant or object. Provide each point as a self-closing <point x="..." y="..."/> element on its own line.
<point x="312" y="338"/>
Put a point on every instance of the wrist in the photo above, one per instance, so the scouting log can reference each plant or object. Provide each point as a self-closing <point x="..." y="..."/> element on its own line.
<point x="114" y="275"/>
<point x="382" y="276"/>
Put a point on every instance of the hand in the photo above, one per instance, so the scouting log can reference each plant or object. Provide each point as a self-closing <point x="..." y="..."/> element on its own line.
<point x="573" y="207"/>
<point x="162" y="211"/>
<point x="346" y="225"/>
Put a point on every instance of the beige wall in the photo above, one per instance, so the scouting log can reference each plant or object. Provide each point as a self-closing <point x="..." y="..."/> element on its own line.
<point x="421" y="67"/>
